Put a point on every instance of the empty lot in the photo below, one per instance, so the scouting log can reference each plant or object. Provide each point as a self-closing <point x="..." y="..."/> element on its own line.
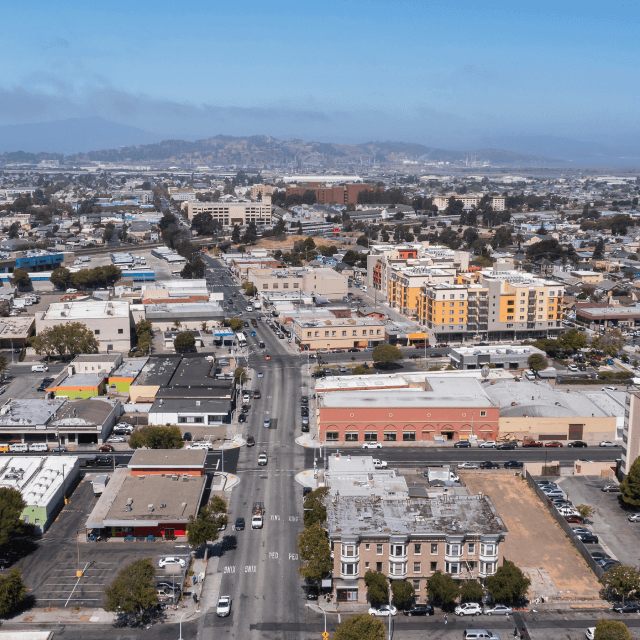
<point x="535" y="541"/>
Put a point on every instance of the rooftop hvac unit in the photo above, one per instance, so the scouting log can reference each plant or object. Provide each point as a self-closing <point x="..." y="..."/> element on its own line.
<point x="129" y="500"/>
<point x="174" y="478"/>
<point x="150" y="508"/>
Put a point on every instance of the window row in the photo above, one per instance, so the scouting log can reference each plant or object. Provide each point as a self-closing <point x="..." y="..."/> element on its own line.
<point x="354" y="332"/>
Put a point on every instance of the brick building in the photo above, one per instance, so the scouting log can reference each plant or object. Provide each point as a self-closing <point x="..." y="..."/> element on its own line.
<point x="327" y="193"/>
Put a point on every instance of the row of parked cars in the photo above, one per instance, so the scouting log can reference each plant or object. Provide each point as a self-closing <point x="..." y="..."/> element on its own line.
<point x="465" y="609"/>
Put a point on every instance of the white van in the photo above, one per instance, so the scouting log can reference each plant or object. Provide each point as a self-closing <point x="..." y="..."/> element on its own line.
<point x="39" y="368"/>
<point x="38" y="446"/>
<point x="572" y="367"/>
<point x="18" y="448"/>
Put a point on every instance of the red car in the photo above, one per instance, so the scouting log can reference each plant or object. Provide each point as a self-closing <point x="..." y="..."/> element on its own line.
<point x="267" y="357"/>
<point x="531" y="443"/>
<point x="555" y="443"/>
<point x="106" y="447"/>
<point x="578" y="519"/>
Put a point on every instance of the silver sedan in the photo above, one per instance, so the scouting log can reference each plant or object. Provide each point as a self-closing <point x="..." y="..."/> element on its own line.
<point x="497" y="610"/>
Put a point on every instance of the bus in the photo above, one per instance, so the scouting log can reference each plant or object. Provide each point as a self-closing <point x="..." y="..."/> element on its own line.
<point x="241" y="339"/>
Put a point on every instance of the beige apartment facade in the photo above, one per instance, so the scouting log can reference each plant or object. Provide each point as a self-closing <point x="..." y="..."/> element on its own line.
<point x="328" y="334"/>
<point x="325" y="283"/>
<point x="229" y="214"/>
<point x="469" y="200"/>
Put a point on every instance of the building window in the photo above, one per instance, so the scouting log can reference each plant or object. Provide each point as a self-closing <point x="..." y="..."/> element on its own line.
<point x="295" y="285"/>
<point x="488" y="568"/>
<point x="397" y="568"/>
<point x="352" y="436"/>
<point x="349" y="568"/>
<point x="471" y="548"/>
<point x="367" y="547"/>
<point x="370" y="436"/>
<point x="379" y="549"/>
<point x="354" y="332"/>
<point x="416" y="587"/>
<point x="377" y="332"/>
<point x="434" y="549"/>
<point x="96" y="332"/>
<point x="408" y="436"/>
<point x="483" y="414"/>
<point x="316" y="334"/>
<point x="275" y="286"/>
<point x="333" y="334"/>
<point x="366" y="565"/>
<point x="308" y="334"/>
<point x="349" y="550"/>
<point x="332" y="435"/>
<point x="344" y="334"/>
<point x="397" y="550"/>
<point x="121" y="331"/>
<point x="326" y="334"/>
<point x="379" y="567"/>
<point x="509" y="317"/>
<point x="433" y="566"/>
<point x="452" y="567"/>
<point x="417" y="567"/>
<point x="364" y="332"/>
<point x="390" y="436"/>
<point x="417" y="549"/>
<point x="265" y="286"/>
<point x="488" y="549"/>
<point x="453" y="549"/>
<point x="191" y="419"/>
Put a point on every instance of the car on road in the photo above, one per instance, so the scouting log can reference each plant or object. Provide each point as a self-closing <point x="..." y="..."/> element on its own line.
<point x="239" y="526"/>
<point x="532" y="443"/>
<point x="384" y="610"/>
<point x="242" y="417"/>
<point x="578" y="444"/>
<point x="249" y="308"/>
<point x="419" y="610"/>
<point x="353" y="350"/>
<point x="554" y="443"/>
<point x="489" y="444"/>
<point x="578" y="519"/>
<point x="630" y="607"/>
<point x="634" y="517"/>
<point x="262" y="459"/>
<point x="267" y="423"/>
<point x="171" y="561"/>
<point x="468" y="465"/>
<point x="607" y="443"/>
<point x="256" y="394"/>
<point x="267" y="356"/>
<point x="313" y="593"/>
<point x="590" y="633"/>
<point x="609" y="389"/>
<point x="507" y="445"/>
<point x="304" y="400"/>
<point x="468" y="609"/>
<point x="245" y="408"/>
<point x="115" y="439"/>
<point x="513" y="464"/>
<point x="489" y="465"/>
<point x="224" y="606"/>
<point x="253" y="333"/>
<point x="462" y="444"/>
<point x="260" y="374"/>
<point x="497" y="610"/>
<point x="372" y="445"/>
<point x="256" y="522"/>
<point x="611" y="488"/>
<point x="62" y="449"/>
<point x="251" y="441"/>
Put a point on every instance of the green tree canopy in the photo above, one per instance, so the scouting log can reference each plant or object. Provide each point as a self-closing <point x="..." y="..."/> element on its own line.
<point x="143" y="326"/>
<point x="315" y="552"/>
<point x="403" y="593"/>
<point x="471" y="590"/>
<point x="205" y="527"/>
<point x="630" y="486"/>
<point x="11" y="507"/>
<point x="377" y="587"/>
<point x="537" y="362"/>
<point x="21" y="279"/>
<point x="69" y="339"/>
<point x="235" y="324"/>
<point x="442" y="588"/>
<point x="97" y="277"/>
<point x="361" y="371"/>
<point x="134" y="589"/>
<point x="240" y="375"/>
<point x="573" y="339"/>
<point x="508" y="584"/>
<point x="386" y="353"/>
<point x="60" y="278"/>
<point x="184" y="341"/>
<point x="156" y="437"/>
<point x="611" y="630"/>
<point x="249" y="288"/>
<point x="360" y="627"/>
<point x="235" y="234"/>
<point x="314" y="510"/>
<point x="621" y="581"/>
<point x="12" y="592"/>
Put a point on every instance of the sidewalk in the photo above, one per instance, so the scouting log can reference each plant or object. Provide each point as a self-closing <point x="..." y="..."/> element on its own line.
<point x="308" y="478"/>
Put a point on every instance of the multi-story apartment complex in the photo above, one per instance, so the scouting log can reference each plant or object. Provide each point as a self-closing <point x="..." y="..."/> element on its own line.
<point x="406" y="282"/>
<point x="469" y="200"/>
<point x="326" y="193"/>
<point x="229" y="214"/>
<point x="261" y="190"/>
<point x="374" y="524"/>
<point x="313" y="334"/>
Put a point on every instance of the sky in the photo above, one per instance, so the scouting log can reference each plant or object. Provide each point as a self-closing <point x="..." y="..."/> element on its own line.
<point x="448" y="74"/>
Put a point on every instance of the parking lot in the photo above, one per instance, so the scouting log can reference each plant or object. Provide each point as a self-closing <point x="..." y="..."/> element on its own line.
<point x="535" y="542"/>
<point x="618" y="537"/>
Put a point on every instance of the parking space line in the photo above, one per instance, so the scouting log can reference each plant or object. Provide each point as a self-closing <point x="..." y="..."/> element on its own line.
<point x="77" y="583"/>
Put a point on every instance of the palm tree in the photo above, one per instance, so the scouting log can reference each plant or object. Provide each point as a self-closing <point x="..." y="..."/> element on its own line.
<point x="204" y="326"/>
<point x="519" y="239"/>
<point x="177" y="324"/>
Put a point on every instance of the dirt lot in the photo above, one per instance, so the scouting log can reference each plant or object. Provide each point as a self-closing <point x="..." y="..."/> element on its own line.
<point x="535" y="542"/>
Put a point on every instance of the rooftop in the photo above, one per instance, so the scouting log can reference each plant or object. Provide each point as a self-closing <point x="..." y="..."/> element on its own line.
<point x="130" y="368"/>
<point x="85" y="412"/>
<point x="171" y="458"/>
<point x="15" y="327"/>
<point x="64" y="380"/>
<point x="86" y="310"/>
<point x="195" y="371"/>
<point x="28" y="412"/>
<point x="92" y="358"/>
<point x="158" y="371"/>
<point x="214" y="406"/>
<point x="503" y="349"/>
<point x="338" y="322"/>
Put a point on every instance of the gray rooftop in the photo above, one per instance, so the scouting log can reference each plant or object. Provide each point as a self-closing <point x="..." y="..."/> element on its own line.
<point x="129" y="369"/>
<point x="169" y="458"/>
<point x="77" y="380"/>
<point x="97" y="357"/>
<point x="193" y="372"/>
<point x="214" y="406"/>
<point x="158" y="371"/>
<point x="85" y="412"/>
<point x="28" y="412"/>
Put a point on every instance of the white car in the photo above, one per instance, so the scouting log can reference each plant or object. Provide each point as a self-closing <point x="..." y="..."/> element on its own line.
<point x="609" y="389"/>
<point x="113" y="439"/>
<point x="224" y="606"/>
<point x="497" y="610"/>
<point x="256" y="522"/>
<point x="607" y="443"/>
<point x="267" y="423"/>
<point x="71" y="291"/>
<point x="590" y="633"/>
<point x="171" y="562"/>
<point x="468" y="465"/>
<point x="379" y="464"/>
<point x="260" y="375"/>
<point x="372" y="445"/>
<point x="468" y="609"/>
<point x="634" y="517"/>
<point x="489" y="444"/>
<point x="249" y="308"/>
<point x="384" y="610"/>
<point x="262" y="459"/>
<point x="199" y="445"/>
<point x="124" y="425"/>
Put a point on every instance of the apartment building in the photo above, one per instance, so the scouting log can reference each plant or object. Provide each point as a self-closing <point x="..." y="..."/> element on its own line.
<point x="443" y="308"/>
<point x="406" y="282"/>
<point x="327" y="193"/>
<point x="229" y="214"/>
<point x="319" y="282"/>
<point x="374" y="522"/>
<point x="313" y="334"/>
<point x="261" y="190"/>
<point x="631" y="431"/>
<point x="469" y="201"/>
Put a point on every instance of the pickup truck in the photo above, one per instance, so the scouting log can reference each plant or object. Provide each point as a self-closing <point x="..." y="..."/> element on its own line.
<point x="256" y="518"/>
<point x="379" y="464"/>
<point x="532" y="443"/>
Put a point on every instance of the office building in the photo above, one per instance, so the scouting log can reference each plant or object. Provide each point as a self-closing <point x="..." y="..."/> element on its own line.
<point x="229" y="214"/>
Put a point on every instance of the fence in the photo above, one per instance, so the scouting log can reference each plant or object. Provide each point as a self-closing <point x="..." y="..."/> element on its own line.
<point x="580" y="546"/>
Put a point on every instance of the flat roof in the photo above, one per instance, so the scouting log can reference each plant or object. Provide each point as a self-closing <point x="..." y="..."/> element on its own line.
<point x="215" y="406"/>
<point x="502" y="349"/>
<point x="86" y="310"/>
<point x="609" y="312"/>
<point x="28" y="412"/>
<point x="198" y="371"/>
<point x="158" y="370"/>
<point x="129" y="368"/>
<point x="97" y="357"/>
<point x="15" y="327"/>
<point x="77" y="380"/>
<point x="173" y="458"/>
<point x="332" y="321"/>
<point x="84" y="412"/>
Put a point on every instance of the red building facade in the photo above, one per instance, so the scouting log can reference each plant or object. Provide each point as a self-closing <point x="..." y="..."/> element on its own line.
<point x="324" y="194"/>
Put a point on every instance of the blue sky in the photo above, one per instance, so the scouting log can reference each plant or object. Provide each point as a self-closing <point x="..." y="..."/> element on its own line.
<point x="438" y="73"/>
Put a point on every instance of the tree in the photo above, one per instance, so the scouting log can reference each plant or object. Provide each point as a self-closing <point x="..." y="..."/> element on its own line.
<point x="508" y="584"/>
<point x="235" y="324"/>
<point x="206" y="526"/>
<point x="156" y="437"/>
<point x="363" y="241"/>
<point x="60" y="278"/>
<point x="610" y="342"/>
<point x="403" y="592"/>
<point x="315" y="552"/>
<point x="235" y="235"/>
<point x="611" y="630"/>
<point x="443" y="588"/>
<point x="630" y="486"/>
<point x="621" y="581"/>
<point x="204" y="327"/>
<point x="537" y="362"/>
<point x="361" y="371"/>
<point x="573" y="339"/>
<point x="250" y="233"/>
<point x="69" y="339"/>
<point x="184" y="341"/>
<point x="134" y="589"/>
<point x="143" y="326"/>
<point x="386" y="353"/>
<point x="108" y="231"/>
<point x="249" y="288"/>
<point x="12" y="592"/>
<point x="240" y="375"/>
<point x="11" y="507"/>
<point x="360" y="627"/>
<point x="585" y="510"/>
<point x="377" y="587"/>
<point x="21" y="279"/>
<point x="471" y="590"/>
<point x="598" y="252"/>
<point x="195" y="268"/>
<point x="314" y="510"/>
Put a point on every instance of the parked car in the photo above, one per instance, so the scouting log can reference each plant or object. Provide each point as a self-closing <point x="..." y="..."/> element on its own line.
<point x="187" y="437"/>
<point x="630" y="607"/>
<point x="171" y="561"/>
<point x="372" y="445"/>
<point x="384" y="610"/>
<point x="419" y="610"/>
<point x="224" y="606"/>
<point x="115" y="439"/>
<point x="554" y="443"/>
<point x="532" y="443"/>
<point x="489" y="444"/>
<point x="242" y="417"/>
<point x="507" y="445"/>
<point x="462" y="444"/>
<point x="600" y="555"/>
<point x="468" y="465"/>
<point x="313" y="593"/>
<point x="497" y="610"/>
<point x="611" y="488"/>
<point x="260" y="374"/>
<point x="581" y="530"/>
<point x="634" y="517"/>
<point x="267" y="423"/>
<point x="489" y="465"/>
<point x="578" y="519"/>
<point x="607" y="443"/>
<point x="63" y="449"/>
<point x="468" y="609"/>
<point x="513" y="464"/>
<point x="578" y="444"/>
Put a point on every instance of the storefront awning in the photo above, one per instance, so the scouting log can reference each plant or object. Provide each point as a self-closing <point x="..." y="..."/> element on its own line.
<point x="346" y="584"/>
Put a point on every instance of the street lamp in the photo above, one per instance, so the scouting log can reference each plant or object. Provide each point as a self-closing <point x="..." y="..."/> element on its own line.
<point x="183" y="615"/>
<point x="325" y="617"/>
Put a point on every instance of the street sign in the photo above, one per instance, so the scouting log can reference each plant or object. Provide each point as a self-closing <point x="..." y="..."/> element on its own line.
<point x="325" y="635"/>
